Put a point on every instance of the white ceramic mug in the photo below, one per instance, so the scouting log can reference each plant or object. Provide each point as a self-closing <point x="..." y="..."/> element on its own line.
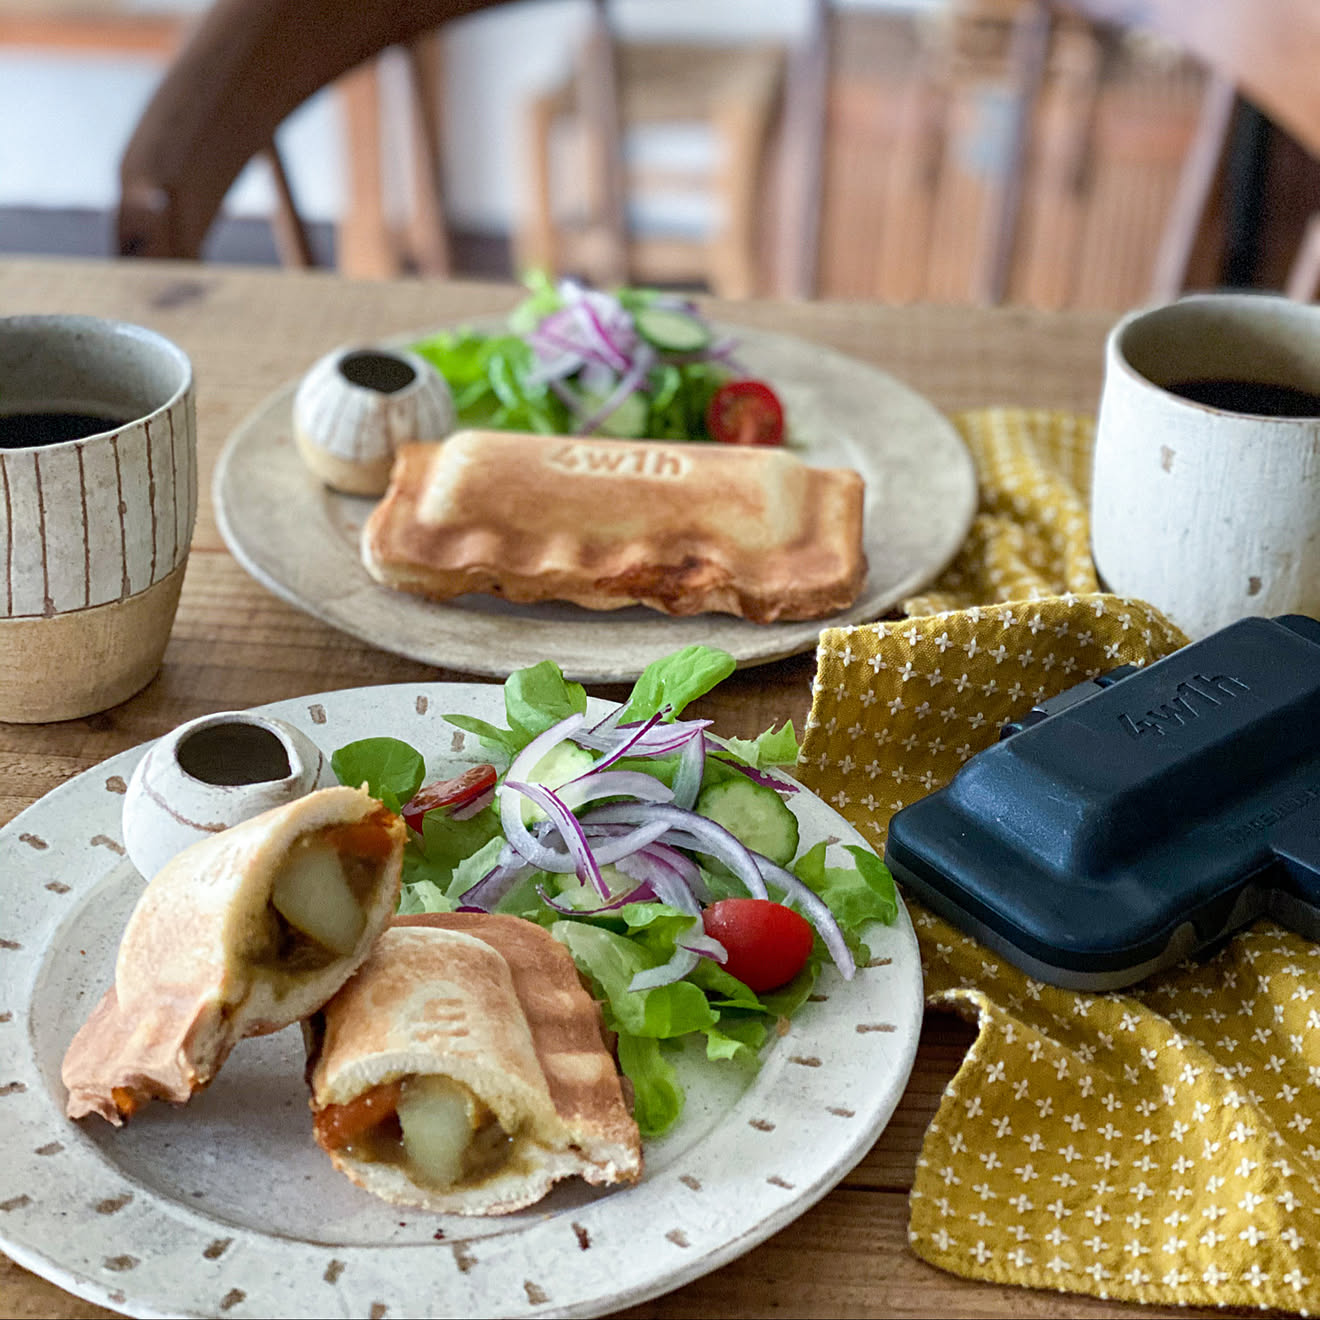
<point x="1208" y="510"/>
<point x="95" y="523"/>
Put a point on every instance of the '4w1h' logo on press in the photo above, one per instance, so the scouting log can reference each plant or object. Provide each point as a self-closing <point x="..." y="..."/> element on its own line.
<point x="1193" y="699"/>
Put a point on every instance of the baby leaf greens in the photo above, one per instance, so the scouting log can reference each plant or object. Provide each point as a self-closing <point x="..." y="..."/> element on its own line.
<point x="598" y="829"/>
<point x="579" y="361"/>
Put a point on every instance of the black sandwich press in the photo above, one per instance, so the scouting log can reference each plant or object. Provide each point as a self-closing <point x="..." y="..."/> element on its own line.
<point x="1137" y="818"/>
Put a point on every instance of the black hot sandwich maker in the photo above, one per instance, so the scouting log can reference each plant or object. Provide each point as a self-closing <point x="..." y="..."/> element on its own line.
<point x="1137" y="818"/>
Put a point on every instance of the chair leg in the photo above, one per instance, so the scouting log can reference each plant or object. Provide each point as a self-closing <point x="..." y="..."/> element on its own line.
<point x="536" y="240"/>
<point x="428" y="229"/>
<point x="1196" y="185"/>
<point x="291" y="239"/>
<point x="367" y="249"/>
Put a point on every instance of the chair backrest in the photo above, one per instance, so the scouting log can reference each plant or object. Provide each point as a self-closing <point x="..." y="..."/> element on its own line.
<point x="1266" y="52"/>
<point x="245" y="67"/>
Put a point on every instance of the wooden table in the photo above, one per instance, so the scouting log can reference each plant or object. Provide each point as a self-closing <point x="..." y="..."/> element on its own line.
<point x="235" y="645"/>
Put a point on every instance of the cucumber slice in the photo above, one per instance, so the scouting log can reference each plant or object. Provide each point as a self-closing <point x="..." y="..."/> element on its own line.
<point x="670" y="330"/>
<point x="628" y="421"/>
<point x="753" y="813"/>
<point x="554" y="769"/>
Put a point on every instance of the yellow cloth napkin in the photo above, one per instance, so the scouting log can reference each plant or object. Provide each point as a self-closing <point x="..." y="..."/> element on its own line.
<point x="1155" y="1145"/>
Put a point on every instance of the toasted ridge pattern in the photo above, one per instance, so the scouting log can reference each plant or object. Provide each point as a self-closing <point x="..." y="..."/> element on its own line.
<point x="682" y="528"/>
<point x="495" y="1003"/>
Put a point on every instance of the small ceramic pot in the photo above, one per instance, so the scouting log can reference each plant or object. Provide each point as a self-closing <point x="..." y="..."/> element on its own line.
<point x="210" y="774"/>
<point x="356" y="406"/>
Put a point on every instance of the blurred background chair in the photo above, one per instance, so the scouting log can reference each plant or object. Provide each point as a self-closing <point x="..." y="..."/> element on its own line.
<point x="586" y="184"/>
<point x="1047" y="152"/>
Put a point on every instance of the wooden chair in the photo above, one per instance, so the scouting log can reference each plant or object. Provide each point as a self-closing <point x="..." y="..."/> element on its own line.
<point x="249" y="63"/>
<point x="1266" y="52"/>
<point x="246" y="65"/>
<point x="619" y="87"/>
<point x="1044" y="97"/>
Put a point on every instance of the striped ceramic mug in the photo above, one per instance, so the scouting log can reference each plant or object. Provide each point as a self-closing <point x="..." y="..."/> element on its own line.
<point x="98" y="495"/>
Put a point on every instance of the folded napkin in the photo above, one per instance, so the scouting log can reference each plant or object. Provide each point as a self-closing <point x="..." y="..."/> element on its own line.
<point x="1155" y="1145"/>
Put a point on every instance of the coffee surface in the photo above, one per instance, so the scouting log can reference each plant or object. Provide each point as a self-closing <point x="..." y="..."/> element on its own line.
<point x="1259" y="398"/>
<point x="26" y="430"/>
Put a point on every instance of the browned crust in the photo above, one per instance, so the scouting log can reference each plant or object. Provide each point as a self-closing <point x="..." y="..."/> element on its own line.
<point x="681" y="528"/>
<point x="183" y="995"/>
<point x="502" y="1010"/>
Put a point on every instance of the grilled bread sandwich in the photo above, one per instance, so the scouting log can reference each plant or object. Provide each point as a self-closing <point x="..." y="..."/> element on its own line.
<point x="681" y="528"/>
<point x="464" y="1070"/>
<point x="241" y="934"/>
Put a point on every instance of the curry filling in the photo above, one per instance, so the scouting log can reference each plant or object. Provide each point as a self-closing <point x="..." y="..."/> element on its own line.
<point x="433" y="1128"/>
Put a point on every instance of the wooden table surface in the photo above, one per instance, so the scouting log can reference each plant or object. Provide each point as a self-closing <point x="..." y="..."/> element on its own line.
<point x="235" y="645"/>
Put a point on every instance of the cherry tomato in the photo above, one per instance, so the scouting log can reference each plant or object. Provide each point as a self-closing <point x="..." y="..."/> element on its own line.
<point x="452" y="794"/>
<point x="746" y="412"/>
<point x="768" y="943"/>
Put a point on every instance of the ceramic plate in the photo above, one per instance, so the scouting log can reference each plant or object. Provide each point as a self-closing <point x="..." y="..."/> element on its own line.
<point x="227" y="1207"/>
<point x="299" y="539"/>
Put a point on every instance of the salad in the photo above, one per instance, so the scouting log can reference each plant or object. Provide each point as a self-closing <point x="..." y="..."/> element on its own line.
<point x="627" y="364"/>
<point x="667" y="862"/>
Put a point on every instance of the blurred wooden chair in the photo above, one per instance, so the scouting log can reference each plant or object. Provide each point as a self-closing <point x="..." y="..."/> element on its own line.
<point x="246" y="65"/>
<point x="1065" y="153"/>
<point x="1266" y="52"/>
<point x="581" y="206"/>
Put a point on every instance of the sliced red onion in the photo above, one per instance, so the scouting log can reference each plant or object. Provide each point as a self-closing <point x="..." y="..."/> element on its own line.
<point x="704" y="946"/>
<point x="527" y="760"/>
<point x="470" y="809"/>
<point x="814" y="908"/>
<point x="683" y="961"/>
<point x="691" y="767"/>
<point x="629" y="382"/>
<point x="664" y="880"/>
<point x="579" y="857"/>
<point x="656" y="740"/>
<point x="617" y="749"/>
<point x="594" y="785"/>
<point x="637" y="894"/>
<point x="760" y="776"/>
<point x="687" y="829"/>
<point x="491" y="889"/>
<point x="689" y="949"/>
<point x="566" y="397"/>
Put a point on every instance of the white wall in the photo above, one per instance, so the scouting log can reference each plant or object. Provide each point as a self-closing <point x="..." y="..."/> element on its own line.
<point x="64" y="119"/>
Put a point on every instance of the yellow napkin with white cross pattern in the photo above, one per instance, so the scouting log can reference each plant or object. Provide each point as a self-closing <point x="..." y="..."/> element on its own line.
<point x="1161" y="1144"/>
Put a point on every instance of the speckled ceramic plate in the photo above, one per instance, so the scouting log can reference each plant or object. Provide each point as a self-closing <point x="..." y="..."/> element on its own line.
<point x="227" y="1207"/>
<point x="301" y="540"/>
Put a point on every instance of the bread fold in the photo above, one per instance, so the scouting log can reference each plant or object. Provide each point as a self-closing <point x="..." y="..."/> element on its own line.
<point x="494" y="1004"/>
<point x="205" y="961"/>
<point x="682" y="528"/>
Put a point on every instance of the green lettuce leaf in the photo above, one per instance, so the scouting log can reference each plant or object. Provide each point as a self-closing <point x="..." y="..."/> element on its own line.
<point x="771" y="748"/>
<point x="611" y="961"/>
<point x="855" y="896"/>
<point x="676" y="680"/>
<point x="392" y="770"/>
<point x="538" y="697"/>
<point x="657" y="1096"/>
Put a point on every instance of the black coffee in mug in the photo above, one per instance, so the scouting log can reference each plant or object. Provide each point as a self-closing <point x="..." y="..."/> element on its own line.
<point x="1256" y="397"/>
<point x="28" y="430"/>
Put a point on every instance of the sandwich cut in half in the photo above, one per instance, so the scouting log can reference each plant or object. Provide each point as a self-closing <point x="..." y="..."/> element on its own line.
<point x="464" y="1070"/>
<point x="241" y="934"/>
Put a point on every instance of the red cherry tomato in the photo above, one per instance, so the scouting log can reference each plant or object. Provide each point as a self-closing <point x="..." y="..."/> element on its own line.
<point x="452" y="794"/>
<point x="746" y="412"/>
<point x="768" y="943"/>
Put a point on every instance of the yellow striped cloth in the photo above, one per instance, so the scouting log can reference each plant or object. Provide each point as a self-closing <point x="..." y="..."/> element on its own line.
<point x="1155" y="1145"/>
